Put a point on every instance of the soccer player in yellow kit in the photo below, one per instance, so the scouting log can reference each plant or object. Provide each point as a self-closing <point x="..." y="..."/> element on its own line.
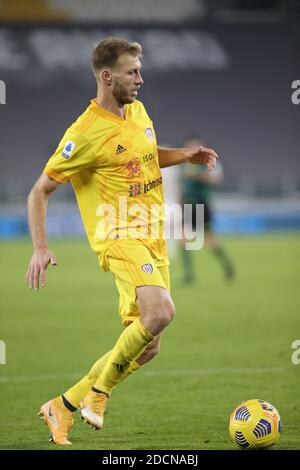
<point x="111" y="158"/>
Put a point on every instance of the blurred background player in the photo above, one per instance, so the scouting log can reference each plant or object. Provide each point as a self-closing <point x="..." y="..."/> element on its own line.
<point x="198" y="187"/>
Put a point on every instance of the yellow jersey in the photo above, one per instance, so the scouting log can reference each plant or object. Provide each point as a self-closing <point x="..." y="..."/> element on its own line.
<point x="112" y="164"/>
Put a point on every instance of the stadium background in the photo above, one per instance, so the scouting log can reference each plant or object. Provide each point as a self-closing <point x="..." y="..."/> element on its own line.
<point x="221" y="69"/>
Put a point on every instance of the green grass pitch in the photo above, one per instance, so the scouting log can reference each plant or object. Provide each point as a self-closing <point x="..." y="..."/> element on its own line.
<point x="229" y="342"/>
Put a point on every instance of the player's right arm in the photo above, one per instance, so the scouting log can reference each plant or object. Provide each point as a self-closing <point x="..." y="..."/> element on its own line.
<point x="37" y="207"/>
<point x="73" y="154"/>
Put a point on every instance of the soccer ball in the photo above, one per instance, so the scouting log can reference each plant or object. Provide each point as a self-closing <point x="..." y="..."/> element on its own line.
<point x="254" y="424"/>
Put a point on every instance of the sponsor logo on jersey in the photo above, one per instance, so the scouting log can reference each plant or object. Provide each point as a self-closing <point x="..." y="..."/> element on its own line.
<point x="139" y="188"/>
<point x="68" y="149"/>
<point x="135" y="189"/>
<point x="152" y="184"/>
<point x="147" y="158"/>
<point x="149" y="133"/>
<point x="120" y="149"/>
<point x="147" y="268"/>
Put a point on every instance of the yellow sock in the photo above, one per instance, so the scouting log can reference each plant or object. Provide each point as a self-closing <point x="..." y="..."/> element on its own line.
<point x="133" y="367"/>
<point x="76" y="393"/>
<point x="130" y="345"/>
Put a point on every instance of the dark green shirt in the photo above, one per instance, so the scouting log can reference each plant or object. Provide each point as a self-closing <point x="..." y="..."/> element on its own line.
<point x="195" y="191"/>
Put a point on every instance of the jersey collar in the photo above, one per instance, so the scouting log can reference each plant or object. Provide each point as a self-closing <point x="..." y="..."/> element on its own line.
<point x="102" y="112"/>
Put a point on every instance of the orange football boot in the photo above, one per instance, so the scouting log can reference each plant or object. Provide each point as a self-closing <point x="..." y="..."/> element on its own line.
<point x="58" y="419"/>
<point x="92" y="409"/>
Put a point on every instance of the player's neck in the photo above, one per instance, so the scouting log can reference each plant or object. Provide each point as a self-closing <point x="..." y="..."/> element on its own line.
<point x="110" y="104"/>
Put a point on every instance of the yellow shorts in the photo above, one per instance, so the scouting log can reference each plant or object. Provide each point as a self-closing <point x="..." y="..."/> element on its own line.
<point x="133" y="265"/>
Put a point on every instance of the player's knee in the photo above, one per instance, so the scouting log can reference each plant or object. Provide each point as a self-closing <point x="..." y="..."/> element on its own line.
<point x="168" y="309"/>
<point x="157" y="310"/>
<point x="164" y="311"/>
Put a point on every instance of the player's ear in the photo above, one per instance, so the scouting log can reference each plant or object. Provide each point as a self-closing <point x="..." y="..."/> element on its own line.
<point x="106" y="76"/>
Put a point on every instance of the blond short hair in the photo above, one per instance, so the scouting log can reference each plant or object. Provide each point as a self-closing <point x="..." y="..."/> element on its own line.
<point x="107" y="52"/>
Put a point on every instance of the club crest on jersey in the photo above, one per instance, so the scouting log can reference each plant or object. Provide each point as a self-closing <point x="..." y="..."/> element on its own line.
<point x="68" y="149"/>
<point x="149" y="133"/>
<point x="134" y="169"/>
<point x="147" y="268"/>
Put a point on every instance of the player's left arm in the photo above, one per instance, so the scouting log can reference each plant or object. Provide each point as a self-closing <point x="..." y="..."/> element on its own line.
<point x="205" y="156"/>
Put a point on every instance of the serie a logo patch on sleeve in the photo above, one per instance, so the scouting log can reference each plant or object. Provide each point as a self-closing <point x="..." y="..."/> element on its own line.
<point x="68" y="149"/>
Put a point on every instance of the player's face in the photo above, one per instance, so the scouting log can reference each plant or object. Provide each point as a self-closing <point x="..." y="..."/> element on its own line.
<point x="127" y="79"/>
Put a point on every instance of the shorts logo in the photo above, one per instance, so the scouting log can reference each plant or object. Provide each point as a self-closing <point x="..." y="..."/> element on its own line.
<point x="149" y="133"/>
<point x="147" y="268"/>
<point x="68" y="149"/>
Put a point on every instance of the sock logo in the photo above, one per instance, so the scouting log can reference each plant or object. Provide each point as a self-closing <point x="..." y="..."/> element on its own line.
<point x="119" y="367"/>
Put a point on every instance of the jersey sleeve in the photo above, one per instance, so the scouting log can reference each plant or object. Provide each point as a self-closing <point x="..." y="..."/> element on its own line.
<point x="73" y="154"/>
